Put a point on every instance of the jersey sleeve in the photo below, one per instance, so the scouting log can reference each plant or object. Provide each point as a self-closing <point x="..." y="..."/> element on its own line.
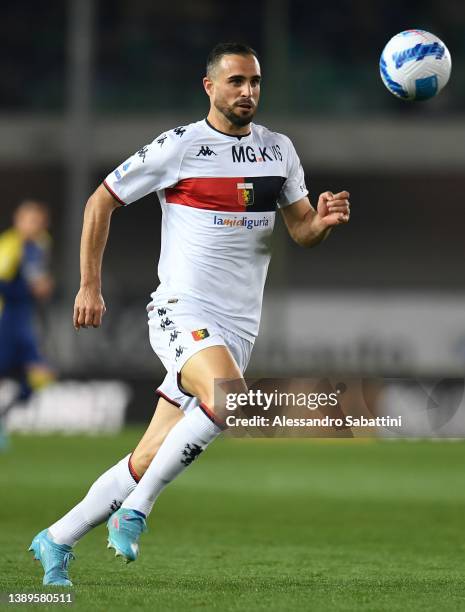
<point x="294" y="187"/>
<point x="155" y="166"/>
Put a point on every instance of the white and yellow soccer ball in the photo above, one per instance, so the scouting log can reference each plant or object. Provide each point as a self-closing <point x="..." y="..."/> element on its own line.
<point x="415" y="65"/>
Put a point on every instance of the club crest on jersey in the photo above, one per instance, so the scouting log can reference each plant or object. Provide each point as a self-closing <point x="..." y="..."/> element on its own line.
<point x="245" y="194"/>
<point x="200" y="334"/>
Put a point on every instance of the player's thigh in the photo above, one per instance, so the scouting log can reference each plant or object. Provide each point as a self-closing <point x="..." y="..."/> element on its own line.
<point x="199" y="373"/>
<point x="165" y="418"/>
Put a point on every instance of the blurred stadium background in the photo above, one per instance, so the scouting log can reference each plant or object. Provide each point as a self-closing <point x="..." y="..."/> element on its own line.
<point x="84" y="84"/>
<point x="292" y="524"/>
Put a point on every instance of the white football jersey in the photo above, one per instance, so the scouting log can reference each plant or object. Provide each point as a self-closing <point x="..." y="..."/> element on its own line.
<point x="218" y="195"/>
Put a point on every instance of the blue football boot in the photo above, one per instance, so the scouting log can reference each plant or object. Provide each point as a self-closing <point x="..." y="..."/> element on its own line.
<point x="54" y="557"/>
<point x="124" y="530"/>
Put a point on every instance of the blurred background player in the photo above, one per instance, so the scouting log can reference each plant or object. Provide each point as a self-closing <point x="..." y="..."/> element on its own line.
<point x="24" y="281"/>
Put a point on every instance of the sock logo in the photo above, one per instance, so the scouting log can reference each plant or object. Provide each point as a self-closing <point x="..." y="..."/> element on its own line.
<point x="190" y="452"/>
<point x="115" y="505"/>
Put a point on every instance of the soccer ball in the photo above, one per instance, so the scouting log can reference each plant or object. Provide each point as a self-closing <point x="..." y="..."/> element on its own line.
<point x="415" y="65"/>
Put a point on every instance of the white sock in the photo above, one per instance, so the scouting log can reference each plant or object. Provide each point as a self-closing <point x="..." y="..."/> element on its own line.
<point x="103" y="498"/>
<point x="188" y="438"/>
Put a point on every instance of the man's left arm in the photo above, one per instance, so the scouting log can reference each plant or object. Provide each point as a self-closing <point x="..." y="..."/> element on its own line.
<point x="307" y="226"/>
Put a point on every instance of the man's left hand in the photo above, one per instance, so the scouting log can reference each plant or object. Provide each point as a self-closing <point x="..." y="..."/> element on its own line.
<point x="334" y="208"/>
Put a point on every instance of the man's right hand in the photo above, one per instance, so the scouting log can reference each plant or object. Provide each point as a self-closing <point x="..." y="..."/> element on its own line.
<point x="89" y="308"/>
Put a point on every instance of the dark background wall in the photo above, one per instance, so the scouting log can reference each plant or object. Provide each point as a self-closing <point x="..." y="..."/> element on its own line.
<point x="81" y="91"/>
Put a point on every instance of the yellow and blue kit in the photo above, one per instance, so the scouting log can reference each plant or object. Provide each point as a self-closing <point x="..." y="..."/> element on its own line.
<point x="21" y="262"/>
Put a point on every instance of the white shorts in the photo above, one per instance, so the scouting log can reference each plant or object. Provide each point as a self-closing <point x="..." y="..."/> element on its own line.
<point x="179" y="329"/>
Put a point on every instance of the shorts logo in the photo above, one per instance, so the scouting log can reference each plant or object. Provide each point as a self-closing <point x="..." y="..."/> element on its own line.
<point x="245" y="194"/>
<point x="165" y="322"/>
<point x="200" y="334"/>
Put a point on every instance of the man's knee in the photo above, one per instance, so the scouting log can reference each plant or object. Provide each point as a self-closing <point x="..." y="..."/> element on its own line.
<point x="216" y="398"/>
<point x="210" y="375"/>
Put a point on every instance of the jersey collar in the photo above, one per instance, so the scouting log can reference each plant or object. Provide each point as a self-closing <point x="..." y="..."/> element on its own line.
<point x="224" y="133"/>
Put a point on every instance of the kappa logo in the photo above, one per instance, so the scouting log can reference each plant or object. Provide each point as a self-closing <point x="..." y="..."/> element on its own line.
<point x="173" y="336"/>
<point x="115" y="505"/>
<point x="179" y="131"/>
<point x="190" y="453"/>
<point x="205" y="151"/>
<point x="164" y="324"/>
<point x="179" y="352"/>
<point x="143" y="152"/>
<point x="245" y="194"/>
<point x="161" y="140"/>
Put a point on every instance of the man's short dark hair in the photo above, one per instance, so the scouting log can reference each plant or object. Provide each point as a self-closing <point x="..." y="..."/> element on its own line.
<point x="229" y="48"/>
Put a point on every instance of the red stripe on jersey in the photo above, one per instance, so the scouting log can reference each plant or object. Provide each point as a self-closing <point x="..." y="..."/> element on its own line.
<point x="222" y="194"/>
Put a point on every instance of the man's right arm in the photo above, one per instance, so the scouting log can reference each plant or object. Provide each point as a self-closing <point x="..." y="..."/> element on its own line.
<point x="89" y="306"/>
<point x="154" y="167"/>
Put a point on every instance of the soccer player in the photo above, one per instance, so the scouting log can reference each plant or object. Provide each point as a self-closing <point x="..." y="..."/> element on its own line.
<point x="24" y="279"/>
<point x="219" y="182"/>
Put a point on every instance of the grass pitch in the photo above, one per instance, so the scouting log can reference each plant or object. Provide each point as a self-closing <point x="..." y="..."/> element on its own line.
<point x="254" y="525"/>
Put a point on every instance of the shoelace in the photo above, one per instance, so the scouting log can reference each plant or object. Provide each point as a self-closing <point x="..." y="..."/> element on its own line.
<point x="66" y="559"/>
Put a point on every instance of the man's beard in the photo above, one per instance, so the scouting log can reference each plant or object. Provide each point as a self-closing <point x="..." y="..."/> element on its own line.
<point x="236" y="120"/>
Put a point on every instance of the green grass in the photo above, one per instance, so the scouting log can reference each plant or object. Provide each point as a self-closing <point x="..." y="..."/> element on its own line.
<point x="255" y="525"/>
